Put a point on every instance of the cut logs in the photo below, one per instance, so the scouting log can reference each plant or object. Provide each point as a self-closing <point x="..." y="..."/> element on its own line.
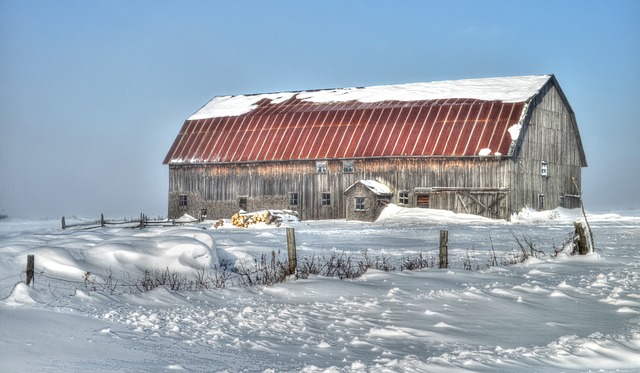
<point x="245" y="220"/>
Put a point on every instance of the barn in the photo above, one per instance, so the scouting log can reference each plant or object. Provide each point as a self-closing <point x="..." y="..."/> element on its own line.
<point x="481" y="146"/>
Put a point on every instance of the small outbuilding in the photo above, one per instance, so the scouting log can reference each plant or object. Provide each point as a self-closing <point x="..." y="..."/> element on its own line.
<point x="365" y="199"/>
<point x="480" y="146"/>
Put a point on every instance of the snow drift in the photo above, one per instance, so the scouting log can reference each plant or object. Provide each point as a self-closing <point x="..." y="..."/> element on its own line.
<point x="554" y="313"/>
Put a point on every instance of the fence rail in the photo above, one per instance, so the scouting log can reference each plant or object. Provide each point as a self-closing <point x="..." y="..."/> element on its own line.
<point x="141" y="222"/>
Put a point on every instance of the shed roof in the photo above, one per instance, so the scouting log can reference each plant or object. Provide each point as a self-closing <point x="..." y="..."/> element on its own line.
<point x="473" y="117"/>
<point x="374" y="186"/>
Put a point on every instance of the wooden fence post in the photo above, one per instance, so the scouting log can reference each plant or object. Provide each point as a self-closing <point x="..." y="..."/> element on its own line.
<point x="30" y="266"/>
<point x="291" y="248"/>
<point x="581" y="241"/>
<point x="102" y="220"/>
<point x="64" y="225"/>
<point x="444" y="249"/>
<point x="591" y="243"/>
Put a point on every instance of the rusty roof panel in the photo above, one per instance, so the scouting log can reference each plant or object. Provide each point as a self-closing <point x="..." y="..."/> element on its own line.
<point x="295" y="130"/>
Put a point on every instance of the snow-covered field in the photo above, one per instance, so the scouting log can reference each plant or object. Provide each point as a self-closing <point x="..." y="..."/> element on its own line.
<point x="555" y="313"/>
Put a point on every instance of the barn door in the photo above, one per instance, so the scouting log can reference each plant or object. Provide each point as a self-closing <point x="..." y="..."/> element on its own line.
<point x="242" y="203"/>
<point x="423" y="200"/>
<point x="485" y="204"/>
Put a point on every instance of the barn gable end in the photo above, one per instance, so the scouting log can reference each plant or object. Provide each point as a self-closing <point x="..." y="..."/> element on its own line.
<point x="548" y="165"/>
<point x="458" y="144"/>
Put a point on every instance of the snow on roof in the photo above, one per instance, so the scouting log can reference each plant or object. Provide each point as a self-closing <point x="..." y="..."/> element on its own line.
<point x="230" y="106"/>
<point x="375" y="186"/>
<point x="506" y="89"/>
<point x="463" y="118"/>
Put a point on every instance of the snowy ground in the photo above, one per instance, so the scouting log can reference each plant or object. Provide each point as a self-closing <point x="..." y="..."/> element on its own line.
<point x="562" y="313"/>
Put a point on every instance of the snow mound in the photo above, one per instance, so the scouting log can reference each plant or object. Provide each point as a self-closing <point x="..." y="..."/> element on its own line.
<point x="174" y="249"/>
<point x="19" y="296"/>
<point x="404" y="320"/>
<point x="414" y="215"/>
<point x="530" y="216"/>
<point x="186" y="218"/>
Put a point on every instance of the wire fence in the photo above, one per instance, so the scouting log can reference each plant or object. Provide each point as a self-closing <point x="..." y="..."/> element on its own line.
<point x="269" y="269"/>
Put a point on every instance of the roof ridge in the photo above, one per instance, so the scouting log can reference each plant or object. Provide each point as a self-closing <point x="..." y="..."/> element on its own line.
<point x="296" y="91"/>
<point x="506" y="89"/>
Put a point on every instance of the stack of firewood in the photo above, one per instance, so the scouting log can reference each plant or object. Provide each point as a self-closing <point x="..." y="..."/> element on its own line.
<point x="244" y="220"/>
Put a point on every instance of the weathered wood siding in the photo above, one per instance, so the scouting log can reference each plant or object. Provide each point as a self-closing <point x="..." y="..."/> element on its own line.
<point x="218" y="188"/>
<point x="550" y="136"/>
<point x="492" y="186"/>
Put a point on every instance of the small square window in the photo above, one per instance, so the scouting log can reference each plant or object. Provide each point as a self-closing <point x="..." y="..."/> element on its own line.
<point x="293" y="199"/>
<point x="403" y="197"/>
<point x="359" y="203"/>
<point x="347" y="167"/>
<point x="321" y="167"/>
<point x="544" y="169"/>
<point x="326" y="199"/>
<point x="183" y="200"/>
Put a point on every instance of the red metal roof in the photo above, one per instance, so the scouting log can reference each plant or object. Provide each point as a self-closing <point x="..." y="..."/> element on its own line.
<point x="412" y="120"/>
<point x="299" y="130"/>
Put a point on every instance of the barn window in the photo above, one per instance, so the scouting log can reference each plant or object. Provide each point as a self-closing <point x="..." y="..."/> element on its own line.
<point x="321" y="167"/>
<point x="242" y="203"/>
<point x="403" y="197"/>
<point x="347" y="167"/>
<point x="293" y="199"/>
<point x="544" y="169"/>
<point x="326" y="199"/>
<point x="423" y="200"/>
<point x="540" y="201"/>
<point x="183" y="200"/>
<point x="359" y="203"/>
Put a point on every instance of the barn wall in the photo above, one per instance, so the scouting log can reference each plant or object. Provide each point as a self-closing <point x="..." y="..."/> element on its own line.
<point x="550" y="136"/>
<point x="218" y="188"/>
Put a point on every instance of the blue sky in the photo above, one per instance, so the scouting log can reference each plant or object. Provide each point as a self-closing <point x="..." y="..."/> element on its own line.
<point x="92" y="93"/>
